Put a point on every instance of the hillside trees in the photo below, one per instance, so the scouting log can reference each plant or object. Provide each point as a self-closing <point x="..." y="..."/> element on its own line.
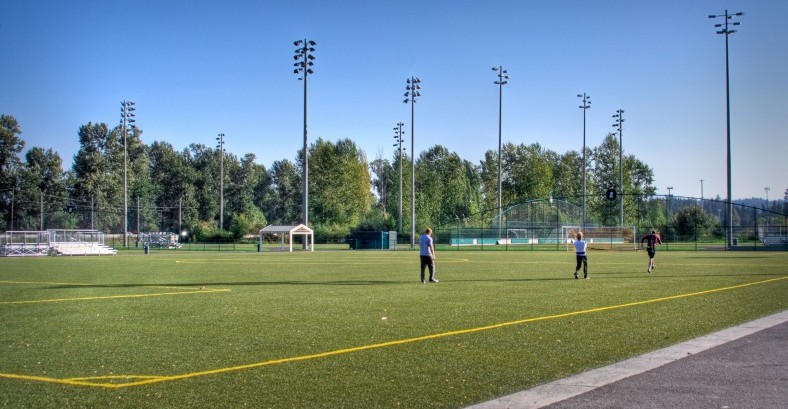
<point x="170" y="190"/>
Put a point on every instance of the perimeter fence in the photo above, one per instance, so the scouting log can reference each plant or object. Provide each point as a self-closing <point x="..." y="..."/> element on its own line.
<point x="683" y="223"/>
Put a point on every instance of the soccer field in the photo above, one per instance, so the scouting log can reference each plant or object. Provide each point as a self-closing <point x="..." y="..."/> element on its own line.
<point x="350" y="329"/>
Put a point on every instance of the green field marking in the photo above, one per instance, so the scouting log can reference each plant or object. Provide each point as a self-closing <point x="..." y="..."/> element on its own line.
<point x="140" y="380"/>
<point x="181" y="291"/>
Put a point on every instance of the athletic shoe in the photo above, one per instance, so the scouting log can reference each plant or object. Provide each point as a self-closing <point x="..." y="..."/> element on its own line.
<point x="434" y="281"/>
<point x="586" y="277"/>
<point x="575" y="275"/>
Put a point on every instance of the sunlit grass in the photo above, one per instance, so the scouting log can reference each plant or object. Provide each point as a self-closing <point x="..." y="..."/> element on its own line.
<point x="350" y="329"/>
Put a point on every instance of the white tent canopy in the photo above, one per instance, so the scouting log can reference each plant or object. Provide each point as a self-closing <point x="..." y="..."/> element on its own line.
<point x="289" y="231"/>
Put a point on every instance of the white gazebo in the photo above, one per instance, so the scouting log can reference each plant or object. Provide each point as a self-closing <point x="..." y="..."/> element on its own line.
<point x="283" y="231"/>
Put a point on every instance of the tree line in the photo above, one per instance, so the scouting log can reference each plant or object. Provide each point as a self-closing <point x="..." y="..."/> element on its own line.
<point x="178" y="190"/>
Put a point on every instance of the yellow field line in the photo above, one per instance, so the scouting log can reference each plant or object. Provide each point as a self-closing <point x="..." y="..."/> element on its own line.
<point x="146" y="380"/>
<point x="109" y="297"/>
<point x="81" y="284"/>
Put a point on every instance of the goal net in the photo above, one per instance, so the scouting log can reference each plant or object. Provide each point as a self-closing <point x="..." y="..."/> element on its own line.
<point x="602" y="237"/>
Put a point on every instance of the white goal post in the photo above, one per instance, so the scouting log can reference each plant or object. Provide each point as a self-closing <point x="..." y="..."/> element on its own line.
<point x="602" y="237"/>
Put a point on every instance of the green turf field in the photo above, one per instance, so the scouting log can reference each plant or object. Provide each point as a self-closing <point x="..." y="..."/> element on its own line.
<point x="350" y="329"/>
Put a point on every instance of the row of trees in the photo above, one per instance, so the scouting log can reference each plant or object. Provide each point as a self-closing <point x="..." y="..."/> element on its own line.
<point x="171" y="190"/>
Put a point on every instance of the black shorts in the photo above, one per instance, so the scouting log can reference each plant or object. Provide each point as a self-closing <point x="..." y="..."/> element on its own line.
<point x="651" y="251"/>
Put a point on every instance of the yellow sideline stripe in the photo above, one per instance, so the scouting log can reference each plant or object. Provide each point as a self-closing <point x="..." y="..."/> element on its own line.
<point x="83" y="284"/>
<point x="109" y="297"/>
<point x="146" y="380"/>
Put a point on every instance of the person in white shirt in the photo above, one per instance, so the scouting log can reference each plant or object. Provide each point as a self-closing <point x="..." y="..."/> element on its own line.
<point x="580" y="253"/>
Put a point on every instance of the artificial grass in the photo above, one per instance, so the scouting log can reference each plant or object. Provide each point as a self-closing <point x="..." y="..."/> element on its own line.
<point x="282" y="305"/>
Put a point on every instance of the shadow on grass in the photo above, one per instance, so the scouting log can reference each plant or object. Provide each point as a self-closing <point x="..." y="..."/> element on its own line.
<point x="232" y="284"/>
<point x="598" y="276"/>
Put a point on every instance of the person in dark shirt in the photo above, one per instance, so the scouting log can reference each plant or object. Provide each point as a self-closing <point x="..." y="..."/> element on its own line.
<point x="651" y="239"/>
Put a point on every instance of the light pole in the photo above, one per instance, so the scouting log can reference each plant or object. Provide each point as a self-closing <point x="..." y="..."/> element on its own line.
<point x="412" y="94"/>
<point x="725" y="30"/>
<point x="220" y="147"/>
<point x="127" y="118"/>
<point x="701" y="195"/>
<point x="503" y="77"/>
<point x="619" y="117"/>
<point x="668" y="200"/>
<point x="767" y="189"/>
<point x="303" y="67"/>
<point x="398" y="138"/>
<point x="584" y="107"/>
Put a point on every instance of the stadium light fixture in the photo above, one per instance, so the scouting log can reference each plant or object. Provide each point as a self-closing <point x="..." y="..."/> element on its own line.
<point x="503" y="77"/>
<point x="619" y="125"/>
<point x="726" y="30"/>
<point x="586" y="99"/>
<point x="412" y="94"/>
<point x="303" y="54"/>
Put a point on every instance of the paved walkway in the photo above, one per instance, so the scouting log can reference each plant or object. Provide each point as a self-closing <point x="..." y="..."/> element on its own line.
<point x="740" y="367"/>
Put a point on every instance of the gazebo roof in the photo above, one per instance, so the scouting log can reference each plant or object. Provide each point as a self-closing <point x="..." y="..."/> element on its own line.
<point x="289" y="229"/>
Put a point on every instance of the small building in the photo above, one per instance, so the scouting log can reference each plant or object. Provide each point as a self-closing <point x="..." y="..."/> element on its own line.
<point x="289" y="231"/>
<point x="377" y="240"/>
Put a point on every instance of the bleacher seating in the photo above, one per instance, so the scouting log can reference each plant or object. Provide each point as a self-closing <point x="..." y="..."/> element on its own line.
<point x="775" y="240"/>
<point x="82" y="249"/>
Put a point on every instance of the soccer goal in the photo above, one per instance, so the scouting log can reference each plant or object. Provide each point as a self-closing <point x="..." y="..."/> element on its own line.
<point x="602" y="237"/>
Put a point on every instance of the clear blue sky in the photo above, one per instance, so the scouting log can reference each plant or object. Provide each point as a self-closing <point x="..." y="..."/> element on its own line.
<point x="198" y="68"/>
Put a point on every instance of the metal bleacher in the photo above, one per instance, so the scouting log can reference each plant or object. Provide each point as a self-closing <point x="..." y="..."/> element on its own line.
<point x="54" y="242"/>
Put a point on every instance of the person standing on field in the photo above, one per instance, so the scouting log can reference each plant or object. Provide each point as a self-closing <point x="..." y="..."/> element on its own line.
<point x="427" y="254"/>
<point x="580" y="253"/>
<point x="651" y="239"/>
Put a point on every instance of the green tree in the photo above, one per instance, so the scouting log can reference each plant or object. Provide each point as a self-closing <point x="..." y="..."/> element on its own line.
<point x="173" y="182"/>
<point x="526" y="173"/>
<point x="205" y="163"/>
<point x="692" y="223"/>
<point x="568" y="178"/>
<point x="142" y="213"/>
<point x="383" y="184"/>
<point x="11" y="144"/>
<point x="339" y="185"/>
<point x="96" y="182"/>
<point x="442" y="188"/>
<point x="43" y="194"/>
<point x="638" y="182"/>
<point x="283" y="205"/>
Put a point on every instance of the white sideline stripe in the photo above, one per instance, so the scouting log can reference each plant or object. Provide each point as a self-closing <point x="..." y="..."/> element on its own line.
<point x="566" y="388"/>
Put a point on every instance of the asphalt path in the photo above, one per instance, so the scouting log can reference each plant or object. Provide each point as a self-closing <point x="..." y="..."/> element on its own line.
<point x="740" y="367"/>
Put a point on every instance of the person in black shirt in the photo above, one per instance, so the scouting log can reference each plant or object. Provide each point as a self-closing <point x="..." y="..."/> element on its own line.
<point x="651" y="239"/>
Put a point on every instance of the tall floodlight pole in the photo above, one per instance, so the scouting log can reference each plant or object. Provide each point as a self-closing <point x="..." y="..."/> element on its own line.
<point x="503" y="77"/>
<point x="586" y="104"/>
<point x="701" y="195"/>
<point x="303" y="67"/>
<point x="127" y="118"/>
<point x="412" y="94"/>
<point x="668" y="200"/>
<point x="220" y="148"/>
<point x="725" y="30"/>
<point x="398" y="136"/>
<point x="767" y="189"/>
<point x="619" y="125"/>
